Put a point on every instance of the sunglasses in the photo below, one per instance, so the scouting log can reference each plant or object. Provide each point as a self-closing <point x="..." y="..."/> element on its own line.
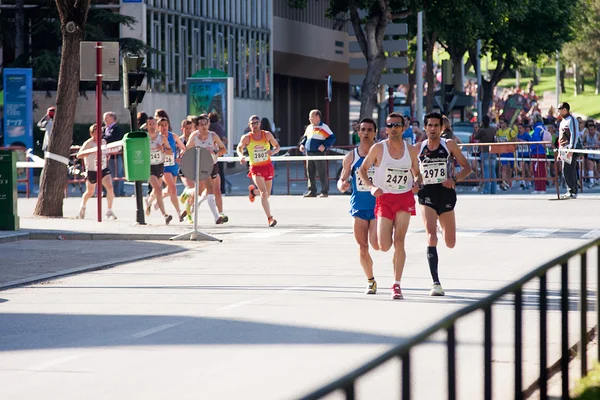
<point x="394" y="124"/>
<point x="254" y="122"/>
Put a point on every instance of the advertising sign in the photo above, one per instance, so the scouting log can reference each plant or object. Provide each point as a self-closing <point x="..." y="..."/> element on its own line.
<point x="18" y="114"/>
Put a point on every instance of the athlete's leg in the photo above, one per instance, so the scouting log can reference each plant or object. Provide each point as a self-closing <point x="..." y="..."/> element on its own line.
<point x="401" y="222"/>
<point x="361" y="234"/>
<point x="430" y="221"/>
<point x="172" y="190"/>
<point x="373" y="234"/>
<point x="260" y="183"/>
<point x="89" y="192"/>
<point x="156" y="184"/>
<point x="448" y="223"/>
<point x="218" y="195"/>
<point x="110" y="194"/>
<point x="385" y="229"/>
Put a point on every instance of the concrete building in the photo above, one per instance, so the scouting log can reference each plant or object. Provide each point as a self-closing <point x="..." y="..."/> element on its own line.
<point x="278" y="58"/>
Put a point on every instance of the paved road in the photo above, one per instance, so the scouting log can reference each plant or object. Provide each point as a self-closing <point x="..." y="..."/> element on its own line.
<point x="273" y="313"/>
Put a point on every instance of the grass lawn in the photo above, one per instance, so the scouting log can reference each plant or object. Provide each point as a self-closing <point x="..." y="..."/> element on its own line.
<point x="586" y="103"/>
<point x="588" y="388"/>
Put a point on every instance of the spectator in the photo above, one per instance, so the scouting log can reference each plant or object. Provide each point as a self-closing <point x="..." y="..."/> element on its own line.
<point x="506" y="134"/>
<point x="408" y="134"/>
<point x="567" y="136"/>
<point x="114" y="133"/>
<point x="591" y="141"/>
<point x="538" y="153"/>
<point x="487" y="134"/>
<point x="46" y="124"/>
<point x="355" y="137"/>
<point x="318" y="137"/>
<point x="418" y="133"/>
<point x="523" y="154"/>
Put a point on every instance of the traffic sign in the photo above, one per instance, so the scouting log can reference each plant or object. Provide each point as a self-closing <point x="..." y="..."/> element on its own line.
<point x="110" y="61"/>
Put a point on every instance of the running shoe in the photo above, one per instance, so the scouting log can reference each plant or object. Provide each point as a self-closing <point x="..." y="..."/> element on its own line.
<point x="371" y="287"/>
<point x="272" y="222"/>
<point x="397" y="292"/>
<point x="219" y="220"/>
<point x="182" y="215"/>
<point x="110" y="215"/>
<point x="251" y="194"/>
<point x="568" y="195"/>
<point x="437" y="290"/>
<point x="148" y="208"/>
<point x="168" y="219"/>
<point x="81" y="213"/>
<point x="225" y="217"/>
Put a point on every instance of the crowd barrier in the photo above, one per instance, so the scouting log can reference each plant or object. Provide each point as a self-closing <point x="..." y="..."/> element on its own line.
<point x="514" y="152"/>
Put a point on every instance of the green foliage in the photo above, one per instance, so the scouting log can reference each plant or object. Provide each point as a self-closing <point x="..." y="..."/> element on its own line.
<point x="584" y="50"/>
<point x="588" y="388"/>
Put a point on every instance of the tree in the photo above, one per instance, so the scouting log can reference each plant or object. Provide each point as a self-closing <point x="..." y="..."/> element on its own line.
<point x="73" y="17"/>
<point x="369" y="38"/>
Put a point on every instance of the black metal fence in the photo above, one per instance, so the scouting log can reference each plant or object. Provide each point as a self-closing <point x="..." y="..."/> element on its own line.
<point x="347" y="383"/>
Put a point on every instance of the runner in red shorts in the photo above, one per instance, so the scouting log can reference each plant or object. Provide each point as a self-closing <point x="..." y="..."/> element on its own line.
<point x="261" y="146"/>
<point x="395" y="165"/>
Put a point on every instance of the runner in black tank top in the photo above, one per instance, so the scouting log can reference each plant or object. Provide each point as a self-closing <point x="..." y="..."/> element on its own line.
<point x="437" y="196"/>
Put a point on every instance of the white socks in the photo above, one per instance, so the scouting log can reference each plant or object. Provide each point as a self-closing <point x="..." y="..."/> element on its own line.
<point x="213" y="206"/>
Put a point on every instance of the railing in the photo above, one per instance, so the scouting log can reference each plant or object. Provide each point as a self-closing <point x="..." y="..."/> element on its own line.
<point x="347" y="383"/>
<point x="76" y="172"/>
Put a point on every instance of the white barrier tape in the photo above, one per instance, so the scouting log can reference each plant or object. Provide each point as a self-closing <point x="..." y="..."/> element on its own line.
<point x="284" y="158"/>
<point x="56" y="157"/>
<point x="30" y="164"/>
<point x="110" y="148"/>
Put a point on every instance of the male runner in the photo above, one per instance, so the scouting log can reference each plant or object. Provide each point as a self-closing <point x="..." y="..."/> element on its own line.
<point x="92" y="174"/>
<point x="437" y="195"/>
<point x="362" y="202"/>
<point x="159" y="146"/>
<point x="261" y="146"/>
<point x="395" y="164"/>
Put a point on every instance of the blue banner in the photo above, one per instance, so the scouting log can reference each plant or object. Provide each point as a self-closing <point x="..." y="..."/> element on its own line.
<point x="18" y="113"/>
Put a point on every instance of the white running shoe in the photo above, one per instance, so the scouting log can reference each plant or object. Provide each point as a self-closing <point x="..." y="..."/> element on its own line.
<point x="437" y="290"/>
<point x="110" y="215"/>
<point x="82" y="213"/>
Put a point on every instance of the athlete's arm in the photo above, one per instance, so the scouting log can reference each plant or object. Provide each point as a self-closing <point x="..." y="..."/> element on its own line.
<point x="85" y="146"/>
<point x="416" y="171"/>
<point x="343" y="184"/>
<point x="464" y="163"/>
<point x="375" y="153"/>
<point x="222" y="148"/>
<point x="190" y="141"/>
<point x="274" y="144"/>
<point x="166" y="146"/>
<point x="179" y="142"/>
<point x="240" y="149"/>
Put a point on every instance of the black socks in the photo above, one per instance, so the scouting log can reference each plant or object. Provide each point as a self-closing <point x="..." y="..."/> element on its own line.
<point x="432" y="259"/>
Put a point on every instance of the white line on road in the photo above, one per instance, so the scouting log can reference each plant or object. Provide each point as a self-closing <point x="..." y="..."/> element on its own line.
<point x="593" y="234"/>
<point x="50" y="364"/>
<point x="324" y="235"/>
<point x="238" y="304"/>
<point x="154" y="330"/>
<point x="535" y="233"/>
<point x="262" y="235"/>
<point x="470" y="232"/>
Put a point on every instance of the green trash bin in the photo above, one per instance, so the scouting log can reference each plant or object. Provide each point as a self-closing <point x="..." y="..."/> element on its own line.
<point x="136" y="156"/>
<point x="9" y="219"/>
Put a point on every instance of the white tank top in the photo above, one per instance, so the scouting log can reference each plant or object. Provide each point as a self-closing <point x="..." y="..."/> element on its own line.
<point x="90" y="160"/>
<point x="392" y="175"/>
<point x="209" y="144"/>
<point x="157" y="155"/>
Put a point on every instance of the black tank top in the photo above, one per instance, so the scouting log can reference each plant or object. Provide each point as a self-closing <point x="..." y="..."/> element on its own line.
<point x="435" y="165"/>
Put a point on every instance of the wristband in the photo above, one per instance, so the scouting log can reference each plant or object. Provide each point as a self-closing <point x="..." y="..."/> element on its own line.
<point x="453" y="178"/>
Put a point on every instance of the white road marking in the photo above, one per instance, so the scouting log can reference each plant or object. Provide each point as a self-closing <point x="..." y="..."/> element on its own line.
<point x="50" y="364"/>
<point x="324" y="235"/>
<point x="238" y="304"/>
<point x="535" y="233"/>
<point x="154" y="330"/>
<point x="593" y="234"/>
<point x="470" y="232"/>
<point x="263" y="235"/>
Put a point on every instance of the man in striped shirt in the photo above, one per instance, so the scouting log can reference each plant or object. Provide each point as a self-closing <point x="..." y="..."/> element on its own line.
<point x="317" y="138"/>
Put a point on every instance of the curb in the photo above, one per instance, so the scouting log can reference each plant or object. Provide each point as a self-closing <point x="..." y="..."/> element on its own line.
<point x="87" y="268"/>
<point x="58" y="235"/>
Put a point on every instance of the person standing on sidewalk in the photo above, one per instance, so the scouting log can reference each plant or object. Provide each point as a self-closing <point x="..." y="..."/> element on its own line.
<point x="92" y="174"/>
<point x="487" y="134"/>
<point x="261" y="146"/>
<point x="113" y="133"/>
<point x="362" y="202"/>
<point x="317" y="138"/>
<point x="538" y="153"/>
<point x="46" y="124"/>
<point x="567" y="135"/>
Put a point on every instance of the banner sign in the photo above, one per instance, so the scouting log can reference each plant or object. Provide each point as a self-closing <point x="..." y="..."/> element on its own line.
<point x="512" y="108"/>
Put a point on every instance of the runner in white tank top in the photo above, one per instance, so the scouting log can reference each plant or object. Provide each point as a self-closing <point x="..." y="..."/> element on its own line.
<point x="159" y="145"/>
<point x="395" y="165"/>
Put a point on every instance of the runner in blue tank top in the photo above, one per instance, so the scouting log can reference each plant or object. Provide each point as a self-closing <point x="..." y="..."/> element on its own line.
<point x="362" y="202"/>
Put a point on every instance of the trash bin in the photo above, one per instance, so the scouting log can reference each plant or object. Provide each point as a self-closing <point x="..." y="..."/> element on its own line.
<point x="9" y="220"/>
<point x="136" y="156"/>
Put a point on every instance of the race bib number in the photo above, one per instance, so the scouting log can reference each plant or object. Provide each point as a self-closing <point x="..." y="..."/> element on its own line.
<point x="396" y="178"/>
<point x="260" y="155"/>
<point x="433" y="172"/>
<point x="156" y="157"/>
<point x="169" y="160"/>
<point x="360" y="185"/>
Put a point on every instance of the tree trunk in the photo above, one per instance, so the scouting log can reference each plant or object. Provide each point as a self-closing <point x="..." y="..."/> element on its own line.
<point x="582" y="83"/>
<point x="430" y="80"/>
<point x="54" y="176"/>
<point x="457" y="66"/>
<point x="597" y="91"/>
<point x="19" y="28"/>
<point x="410" y="94"/>
<point x="487" y="96"/>
<point x="575" y="80"/>
<point x="562" y="78"/>
<point x="368" y="93"/>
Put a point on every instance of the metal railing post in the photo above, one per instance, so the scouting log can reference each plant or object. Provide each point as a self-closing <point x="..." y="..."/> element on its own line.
<point x="487" y="353"/>
<point x="564" y="310"/>
<point x="451" y="345"/>
<point x="543" y="306"/>
<point x="583" y="316"/>
<point x="519" y="344"/>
